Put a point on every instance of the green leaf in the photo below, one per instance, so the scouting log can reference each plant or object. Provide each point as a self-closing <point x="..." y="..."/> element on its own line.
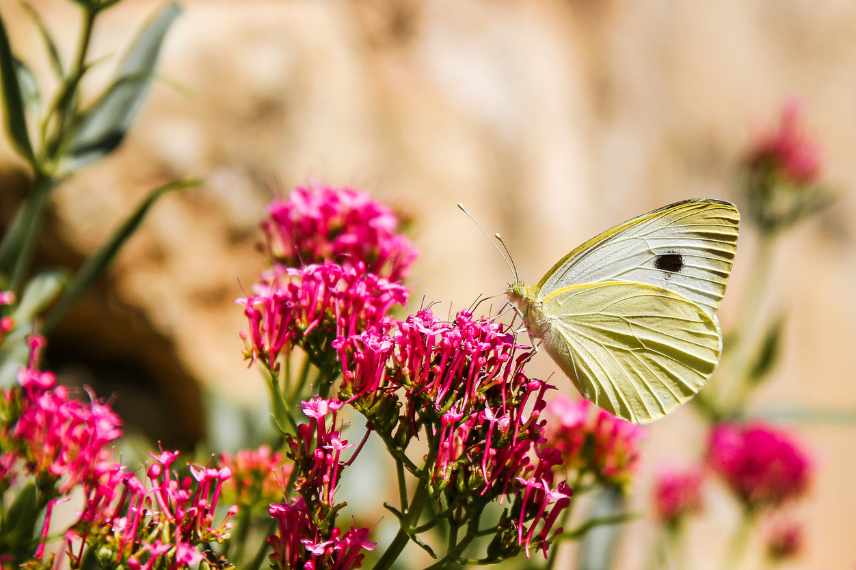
<point x="18" y="532"/>
<point x="93" y="267"/>
<point x="768" y="353"/>
<point x="102" y="127"/>
<point x="47" y="38"/>
<point x="16" y="118"/>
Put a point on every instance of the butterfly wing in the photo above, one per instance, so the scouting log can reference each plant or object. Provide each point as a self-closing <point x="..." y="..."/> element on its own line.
<point x="634" y="349"/>
<point x="686" y="247"/>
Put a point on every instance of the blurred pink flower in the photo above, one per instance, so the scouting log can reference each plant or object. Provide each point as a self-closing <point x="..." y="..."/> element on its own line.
<point x="593" y="439"/>
<point x="258" y="475"/>
<point x="340" y="225"/>
<point x="788" y="148"/>
<point x="764" y="467"/>
<point x="677" y="494"/>
<point x="785" y="541"/>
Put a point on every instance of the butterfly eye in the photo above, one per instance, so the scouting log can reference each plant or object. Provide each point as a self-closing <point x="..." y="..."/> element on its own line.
<point x="672" y="262"/>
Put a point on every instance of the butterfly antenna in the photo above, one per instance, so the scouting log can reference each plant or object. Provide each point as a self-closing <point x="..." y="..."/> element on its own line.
<point x="508" y="256"/>
<point x="503" y="251"/>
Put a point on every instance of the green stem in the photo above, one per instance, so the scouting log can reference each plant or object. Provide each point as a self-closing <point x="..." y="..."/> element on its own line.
<point x="282" y="417"/>
<point x="748" y="333"/>
<point x="402" y="484"/>
<point x="740" y="540"/>
<point x="261" y="554"/>
<point x="301" y="382"/>
<point x="411" y="517"/>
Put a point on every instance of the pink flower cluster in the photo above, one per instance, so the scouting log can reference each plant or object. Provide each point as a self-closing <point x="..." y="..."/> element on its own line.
<point x="140" y="526"/>
<point x="762" y="466"/>
<point x="463" y="380"/>
<point x="592" y="439"/>
<point x="297" y="542"/>
<point x="788" y="149"/>
<point x="258" y="475"/>
<point x="57" y="436"/>
<point x="305" y="537"/>
<point x="341" y="225"/>
<point x="312" y="305"/>
<point x="677" y="493"/>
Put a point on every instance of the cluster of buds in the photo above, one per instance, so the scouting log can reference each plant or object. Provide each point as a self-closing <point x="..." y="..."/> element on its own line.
<point x="341" y="225"/>
<point x="594" y="441"/>
<point x="782" y="171"/>
<point x="313" y="305"/>
<point x="763" y="467"/>
<point x="677" y="494"/>
<point x="307" y="536"/>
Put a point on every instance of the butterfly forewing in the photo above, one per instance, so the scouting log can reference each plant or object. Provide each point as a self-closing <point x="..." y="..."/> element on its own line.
<point x="687" y="247"/>
<point x="634" y="349"/>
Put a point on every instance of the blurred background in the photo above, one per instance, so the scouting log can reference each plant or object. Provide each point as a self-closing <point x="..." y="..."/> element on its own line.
<point x="550" y="121"/>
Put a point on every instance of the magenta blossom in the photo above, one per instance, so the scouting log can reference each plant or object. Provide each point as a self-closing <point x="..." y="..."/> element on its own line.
<point x="677" y="493"/>
<point x="299" y="542"/>
<point x="339" y="225"/>
<point x="60" y="437"/>
<point x="788" y="149"/>
<point x="594" y="440"/>
<point x="312" y="306"/>
<point x="762" y="466"/>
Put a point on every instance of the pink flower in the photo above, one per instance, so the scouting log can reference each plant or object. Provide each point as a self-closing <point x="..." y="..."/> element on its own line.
<point x="593" y="439"/>
<point x="538" y="496"/>
<point x="788" y="148"/>
<point x="761" y="465"/>
<point x="785" y="541"/>
<point x="300" y="543"/>
<point x="62" y="438"/>
<point x="677" y="494"/>
<point x="312" y="306"/>
<point x="339" y="225"/>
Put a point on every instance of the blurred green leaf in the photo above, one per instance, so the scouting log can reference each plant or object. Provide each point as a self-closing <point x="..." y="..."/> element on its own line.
<point x="100" y="261"/>
<point x="596" y="522"/>
<point x="598" y="547"/>
<point x="18" y="532"/>
<point x="103" y="126"/>
<point x="39" y="294"/>
<point x="768" y="354"/>
<point x="30" y="93"/>
<point x="50" y="44"/>
<point x="16" y="118"/>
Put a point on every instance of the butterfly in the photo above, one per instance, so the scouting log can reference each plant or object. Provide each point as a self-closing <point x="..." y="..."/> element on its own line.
<point x="630" y="315"/>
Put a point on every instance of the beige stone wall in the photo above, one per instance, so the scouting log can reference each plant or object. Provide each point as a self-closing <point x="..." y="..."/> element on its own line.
<point x="549" y="120"/>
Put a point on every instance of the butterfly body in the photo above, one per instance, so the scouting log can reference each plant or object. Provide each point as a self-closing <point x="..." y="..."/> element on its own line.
<point x="629" y="315"/>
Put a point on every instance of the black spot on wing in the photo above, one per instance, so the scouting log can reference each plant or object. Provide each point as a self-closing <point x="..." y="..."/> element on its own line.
<point x="671" y="262"/>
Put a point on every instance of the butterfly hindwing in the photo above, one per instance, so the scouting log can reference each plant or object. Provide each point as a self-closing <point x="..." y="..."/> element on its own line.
<point x="686" y="247"/>
<point x="634" y="349"/>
